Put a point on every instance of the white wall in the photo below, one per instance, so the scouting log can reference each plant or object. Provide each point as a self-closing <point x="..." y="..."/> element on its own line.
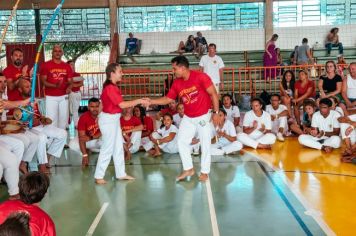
<point x="240" y="40"/>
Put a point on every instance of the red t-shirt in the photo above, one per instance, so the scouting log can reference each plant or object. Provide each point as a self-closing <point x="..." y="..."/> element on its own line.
<point x="111" y="98"/>
<point x="168" y="110"/>
<point x="129" y="124"/>
<point x="303" y="90"/>
<point x="88" y="124"/>
<point x="76" y="89"/>
<point x="61" y="72"/>
<point x="193" y="94"/>
<point x="41" y="223"/>
<point x="15" y="97"/>
<point x="13" y="73"/>
<point x="147" y="125"/>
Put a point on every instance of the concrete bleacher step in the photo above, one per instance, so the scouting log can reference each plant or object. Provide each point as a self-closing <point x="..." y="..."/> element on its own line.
<point x="321" y="52"/>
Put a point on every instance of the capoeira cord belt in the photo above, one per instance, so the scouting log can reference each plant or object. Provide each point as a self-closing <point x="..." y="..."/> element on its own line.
<point x="38" y="54"/>
<point x="13" y="12"/>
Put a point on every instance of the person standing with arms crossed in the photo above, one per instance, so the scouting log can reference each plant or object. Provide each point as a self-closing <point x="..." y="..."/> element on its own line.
<point x="109" y="124"/>
<point x="198" y="94"/>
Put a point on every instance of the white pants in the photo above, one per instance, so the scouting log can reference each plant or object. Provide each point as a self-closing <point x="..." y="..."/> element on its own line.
<point x="187" y="129"/>
<point x="312" y="142"/>
<point x="218" y="149"/>
<point x="57" y="110"/>
<point x="56" y="139"/>
<point x="14" y="145"/>
<point x="281" y="122"/>
<point x="9" y="168"/>
<point x="136" y="141"/>
<point x="92" y="144"/>
<point x="170" y="147"/>
<point x="74" y="103"/>
<point x="30" y="141"/>
<point x="112" y="145"/>
<point x="256" y="137"/>
<point x="146" y="143"/>
<point x="351" y="136"/>
<point x="41" y="151"/>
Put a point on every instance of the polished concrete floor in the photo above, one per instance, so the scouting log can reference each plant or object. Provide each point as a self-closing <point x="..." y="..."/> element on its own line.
<point x="287" y="191"/>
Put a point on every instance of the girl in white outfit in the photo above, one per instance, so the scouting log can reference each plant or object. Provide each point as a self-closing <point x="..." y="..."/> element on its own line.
<point x="224" y="139"/>
<point x="109" y="124"/>
<point x="257" y="127"/>
<point x="165" y="138"/>
<point x="232" y="111"/>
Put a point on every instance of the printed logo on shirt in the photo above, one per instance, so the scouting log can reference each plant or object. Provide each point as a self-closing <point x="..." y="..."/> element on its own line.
<point x="58" y="74"/>
<point x="128" y="127"/>
<point x="189" y="95"/>
<point x="93" y="129"/>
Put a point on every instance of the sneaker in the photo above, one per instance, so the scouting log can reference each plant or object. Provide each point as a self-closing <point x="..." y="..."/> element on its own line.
<point x="280" y="137"/>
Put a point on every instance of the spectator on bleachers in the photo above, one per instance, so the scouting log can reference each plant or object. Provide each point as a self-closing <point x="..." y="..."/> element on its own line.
<point x="286" y="88"/>
<point x="302" y="54"/>
<point x="303" y="89"/>
<point x="201" y="44"/>
<point x="341" y="66"/>
<point x="291" y="56"/>
<point x="330" y="84"/>
<point x="131" y="47"/>
<point x="280" y="61"/>
<point x="332" y="40"/>
<point x="270" y="58"/>
<point x="188" y="46"/>
<point x="349" y="87"/>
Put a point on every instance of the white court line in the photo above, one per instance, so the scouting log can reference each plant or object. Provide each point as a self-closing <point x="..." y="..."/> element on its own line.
<point x="214" y="222"/>
<point x="309" y="210"/>
<point x="97" y="219"/>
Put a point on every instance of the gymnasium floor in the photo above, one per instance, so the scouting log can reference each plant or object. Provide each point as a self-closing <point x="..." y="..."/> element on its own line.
<point x="287" y="191"/>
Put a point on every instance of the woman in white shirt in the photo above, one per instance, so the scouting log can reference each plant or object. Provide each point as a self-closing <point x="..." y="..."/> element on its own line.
<point x="257" y="127"/>
<point x="165" y="138"/>
<point x="232" y="112"/>
<point x="224" y="139"/>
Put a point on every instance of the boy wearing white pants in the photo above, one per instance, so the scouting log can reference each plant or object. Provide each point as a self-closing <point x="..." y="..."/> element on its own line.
<point x="224" y="139"/>
<point x="257" y="127"/>
<point x="279" y="117"/>
<point x="197" y="92"/>
<point x="324" y="134"/>
<point x="75" y="96"/>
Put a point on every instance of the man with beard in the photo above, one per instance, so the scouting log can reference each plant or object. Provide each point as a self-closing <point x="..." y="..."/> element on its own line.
<point x="14" y="72"/>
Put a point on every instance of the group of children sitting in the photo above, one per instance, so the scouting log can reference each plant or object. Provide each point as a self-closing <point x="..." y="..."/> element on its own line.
<point x="322" y="125"/>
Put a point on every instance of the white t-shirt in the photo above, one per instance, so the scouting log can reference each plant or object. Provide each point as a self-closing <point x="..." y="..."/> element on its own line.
<point x="228" y="128"/>
<point x="339" y="109"/>
<point x="326" y="124"/>
<point x="274" y="112"/>
<point x="165" y="132"/>
<point x="211" y="67"/>
<point x="265" y="119"/>
<point x="177" y="119"/>
<point x="232" y="112"/>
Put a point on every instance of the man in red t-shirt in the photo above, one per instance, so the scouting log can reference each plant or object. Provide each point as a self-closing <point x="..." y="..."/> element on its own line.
<point x="33" y="187"/>
<point x="14" y="72"/>
<point x="88" y="132"/>
<point x="44" y="130"/>
<point x="56" y="77"/>
<point x="75" y="96"/>
<point x="131" y="128"/>
<point x="198" y="95"/>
